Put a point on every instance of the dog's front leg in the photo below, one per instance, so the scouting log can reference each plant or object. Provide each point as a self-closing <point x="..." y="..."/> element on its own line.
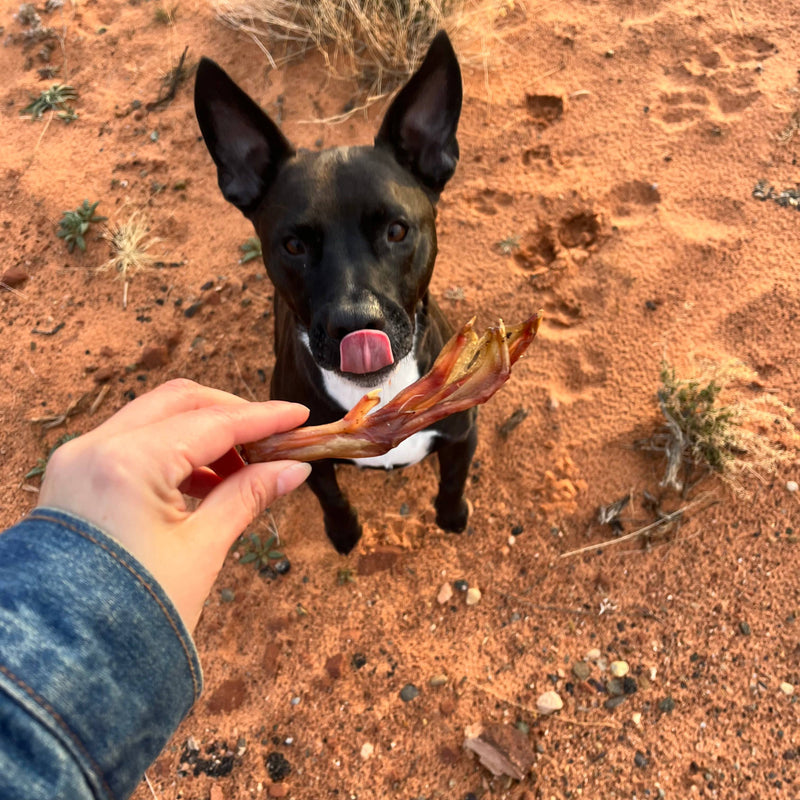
<point x="341" y="520"/>
<point x="452" y="510"/>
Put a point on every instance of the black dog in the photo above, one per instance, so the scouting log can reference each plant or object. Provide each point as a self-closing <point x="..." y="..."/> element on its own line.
<point x="349" y="241"/>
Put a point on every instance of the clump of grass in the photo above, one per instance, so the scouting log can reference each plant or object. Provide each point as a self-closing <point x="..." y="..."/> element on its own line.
<point x="379" y="41"/>
<point x="41" y="464"/>
<point x="702" y="434"/>
<point x="74" y="225"/>
<point x="165" y="16"/>
<point x="53" y="99"/>
<point x="130" y="243"/>
<point x="251" y="250"/>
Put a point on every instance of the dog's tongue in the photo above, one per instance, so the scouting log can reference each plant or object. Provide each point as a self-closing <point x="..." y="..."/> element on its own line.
<point x="365" y="351"/>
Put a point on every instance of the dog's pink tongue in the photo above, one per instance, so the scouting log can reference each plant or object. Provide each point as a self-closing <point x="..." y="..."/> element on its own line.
<point x="365" y="351"/>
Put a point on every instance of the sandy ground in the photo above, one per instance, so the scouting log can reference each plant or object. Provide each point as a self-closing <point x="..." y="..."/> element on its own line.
<point x="610" y="153"/>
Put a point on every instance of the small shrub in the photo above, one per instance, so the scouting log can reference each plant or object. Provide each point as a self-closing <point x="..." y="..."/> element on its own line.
<point x="53" y="99"/>
<point x="259" y="553"/>
<point x="74" y="225"/>
<point x="129" y="247"/>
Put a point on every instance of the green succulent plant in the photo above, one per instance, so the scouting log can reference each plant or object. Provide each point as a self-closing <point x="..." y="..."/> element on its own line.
<point x="74" y="225"/>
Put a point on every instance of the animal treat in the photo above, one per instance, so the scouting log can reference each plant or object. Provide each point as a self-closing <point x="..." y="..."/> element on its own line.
<point x="468" y="371"/>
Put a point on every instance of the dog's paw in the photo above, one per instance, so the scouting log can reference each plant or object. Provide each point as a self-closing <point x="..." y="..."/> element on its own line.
<point x="344" y="530"/>
<point x="453" y="517"/>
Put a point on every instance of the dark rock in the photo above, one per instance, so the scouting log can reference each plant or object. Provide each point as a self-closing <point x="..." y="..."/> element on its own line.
<point x="408" y="693"/>
<point x="192" y="310"/>
<point x="358" y="660"/>
<point x="333" y="666"/>
<point x="666" y="705"/>
<point x="277" y="766"/>
<point x="282" y="566"/>
<point x="153" y="357"/>
<point x="640" y="760"/>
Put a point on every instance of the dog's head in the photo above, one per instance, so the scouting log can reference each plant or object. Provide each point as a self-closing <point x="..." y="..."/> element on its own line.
<point x="348" y="234"/>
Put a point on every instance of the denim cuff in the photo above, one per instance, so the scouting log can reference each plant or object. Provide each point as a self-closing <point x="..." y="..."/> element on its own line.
<point x="91" y="649"/>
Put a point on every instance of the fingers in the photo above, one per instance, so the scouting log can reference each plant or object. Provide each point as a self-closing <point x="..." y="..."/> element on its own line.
<point x="202" y="437"/>
<point x="171" y="398"/>
<point x="237" y="501"/>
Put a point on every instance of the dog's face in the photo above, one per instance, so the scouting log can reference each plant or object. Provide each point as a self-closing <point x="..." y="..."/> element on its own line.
<point x="348" y="234"/>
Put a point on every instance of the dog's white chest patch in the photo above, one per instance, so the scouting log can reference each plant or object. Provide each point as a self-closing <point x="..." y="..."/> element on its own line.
<point x="347" y="393"/>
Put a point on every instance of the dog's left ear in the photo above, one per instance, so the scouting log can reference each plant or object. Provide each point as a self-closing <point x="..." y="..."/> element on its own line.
<point x="420" y="125"/>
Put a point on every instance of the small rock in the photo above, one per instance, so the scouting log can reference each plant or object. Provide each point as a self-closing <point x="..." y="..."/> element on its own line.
<point x="636" y="717"/>
<point x="473" y="596"/>
<point x="358" y="660"/>
<point x="461" y="586"/>
<point x="502" y="749"/>
<point x="192" y="310"/>
<point x="367" y="750"/>
<point x="445" y="594"/>
<point x="744" y="628"/>
<point x="333" y="666"/>
<point x="581" y="670"/>
<point x="787" y="688"/>
<point x="614" y="687"/>
<point x="408" y="693"/>
<point x="592" y="655"/>
<point x="666" y="705"/>
<point x="447" y="706"/>
<point x="227" y="596"/>
<point x="615" y="701"/>
<point x="277" y="790"/>
<point x="104" y="374"/>
<point x="791" y="486"/>
<point x="549" y="702"/>
<point x="15" y="276"/>
<point x="629" y="685"/>
<point x="640" y="760"/>
<point x="438" y="680"/>
<point x="282" y="566"/>
<point x="153" y="357"/>
<point x="228" y="696"/>
<point x="277" y="767"/>
<point x="619" y="669"/>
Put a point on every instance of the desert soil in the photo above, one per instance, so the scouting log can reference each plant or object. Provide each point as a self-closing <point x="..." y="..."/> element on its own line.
<point x="610" y="155"/>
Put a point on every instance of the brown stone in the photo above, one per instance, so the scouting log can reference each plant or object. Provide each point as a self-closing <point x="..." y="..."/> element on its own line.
<point x="277" y="790"/>
<point x="333" y="666"/>
<point x="153" y="357"/>
<point x="228" y="696"/>
<point x="272" y="653"/>
<point x="104" y="374"/>
<point x="447" y="706"/>
<point x="13" y="276"/>
<point x="447" y="755"/>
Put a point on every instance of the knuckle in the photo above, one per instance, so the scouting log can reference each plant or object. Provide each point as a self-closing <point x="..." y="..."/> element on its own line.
<point x="180" y="386"/>
<point x="256" y="496"/>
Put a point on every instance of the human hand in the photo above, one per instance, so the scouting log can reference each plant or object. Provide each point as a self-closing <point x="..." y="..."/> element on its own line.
<point x="129" y="475"/>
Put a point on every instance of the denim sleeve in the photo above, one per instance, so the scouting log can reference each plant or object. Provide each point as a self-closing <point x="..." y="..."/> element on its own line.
<point x="96" y="666"/>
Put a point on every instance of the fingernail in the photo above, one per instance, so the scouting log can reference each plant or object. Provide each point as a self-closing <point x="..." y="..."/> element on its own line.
<point x="291" y="477"/>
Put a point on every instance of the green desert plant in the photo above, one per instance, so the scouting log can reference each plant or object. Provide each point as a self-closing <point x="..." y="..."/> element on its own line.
<point x="260" y="553"/>
<point x="74" y="225"/>
<point x="53" y="99"/>
<point x="251" y="250"/>
<point x="743" y="434"/>
<point x="41" y="464"/>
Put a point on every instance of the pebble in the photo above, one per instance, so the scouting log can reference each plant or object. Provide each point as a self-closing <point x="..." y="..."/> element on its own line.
<point x="744" y="628"/>
<point x="787" y="688"/>
<point x="613" y="702"/>
<point x="473" y="596"/>
<point x="408" y="693"/>
<point x="367" y="750"/>
<point x="16" y="276"/>
<point x="792" y="486"/>
<point x="592" y="655"/>
<point x="227" y="596"/>
<point x="438" y="680"/>
<point x="445" y="594"/>
<point x="581" y="670"/>
<point x="619" y="669"/>
<point x="461" y="586"/>
<point x="549" y="702"/>
<point x="282" y="566"/>
<point x="277" y="790"/>
<point x="639" y="759"/>
<point x="637" y="718"/>
<point x="666" y="705"/>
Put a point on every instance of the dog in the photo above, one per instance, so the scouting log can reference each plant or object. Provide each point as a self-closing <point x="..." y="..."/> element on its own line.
<point x="349" y="242"/>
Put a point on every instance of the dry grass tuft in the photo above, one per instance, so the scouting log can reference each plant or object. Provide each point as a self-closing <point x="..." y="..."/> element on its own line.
<point x="130" y="244"/>
<point x="380" y="42"/>
<point x="715" y="423"/>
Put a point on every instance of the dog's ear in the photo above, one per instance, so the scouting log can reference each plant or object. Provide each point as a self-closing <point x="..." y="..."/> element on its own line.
<point x="420" y="125"/>
<point x="244" y="142"/>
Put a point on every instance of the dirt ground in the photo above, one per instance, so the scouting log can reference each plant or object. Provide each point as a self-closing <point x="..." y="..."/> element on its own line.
<point x="617" y="160"/>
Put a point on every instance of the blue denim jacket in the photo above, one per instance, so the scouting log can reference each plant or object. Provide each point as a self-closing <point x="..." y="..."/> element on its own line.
<point x="96" y="666"/>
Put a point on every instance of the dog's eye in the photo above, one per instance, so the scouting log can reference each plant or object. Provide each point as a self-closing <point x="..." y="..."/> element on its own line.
<point x="396" y="232"/>
<point x="293" y="246"/>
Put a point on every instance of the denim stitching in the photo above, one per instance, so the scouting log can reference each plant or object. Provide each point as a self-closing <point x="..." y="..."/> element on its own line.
<point x="142" y="581"/>
<point x="61" y="723"/>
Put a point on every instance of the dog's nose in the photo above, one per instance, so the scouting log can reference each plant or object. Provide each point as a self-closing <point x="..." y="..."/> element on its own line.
<point x="346" y="318"/>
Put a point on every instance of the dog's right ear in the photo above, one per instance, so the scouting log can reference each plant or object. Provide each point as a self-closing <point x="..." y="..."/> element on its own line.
<point x="244" y="142"/>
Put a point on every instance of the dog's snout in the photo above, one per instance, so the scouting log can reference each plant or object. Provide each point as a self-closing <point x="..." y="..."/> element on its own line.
<point x="346" y="318"/>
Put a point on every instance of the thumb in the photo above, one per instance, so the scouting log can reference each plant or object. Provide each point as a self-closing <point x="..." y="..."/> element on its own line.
<point x="241" y="497"/>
